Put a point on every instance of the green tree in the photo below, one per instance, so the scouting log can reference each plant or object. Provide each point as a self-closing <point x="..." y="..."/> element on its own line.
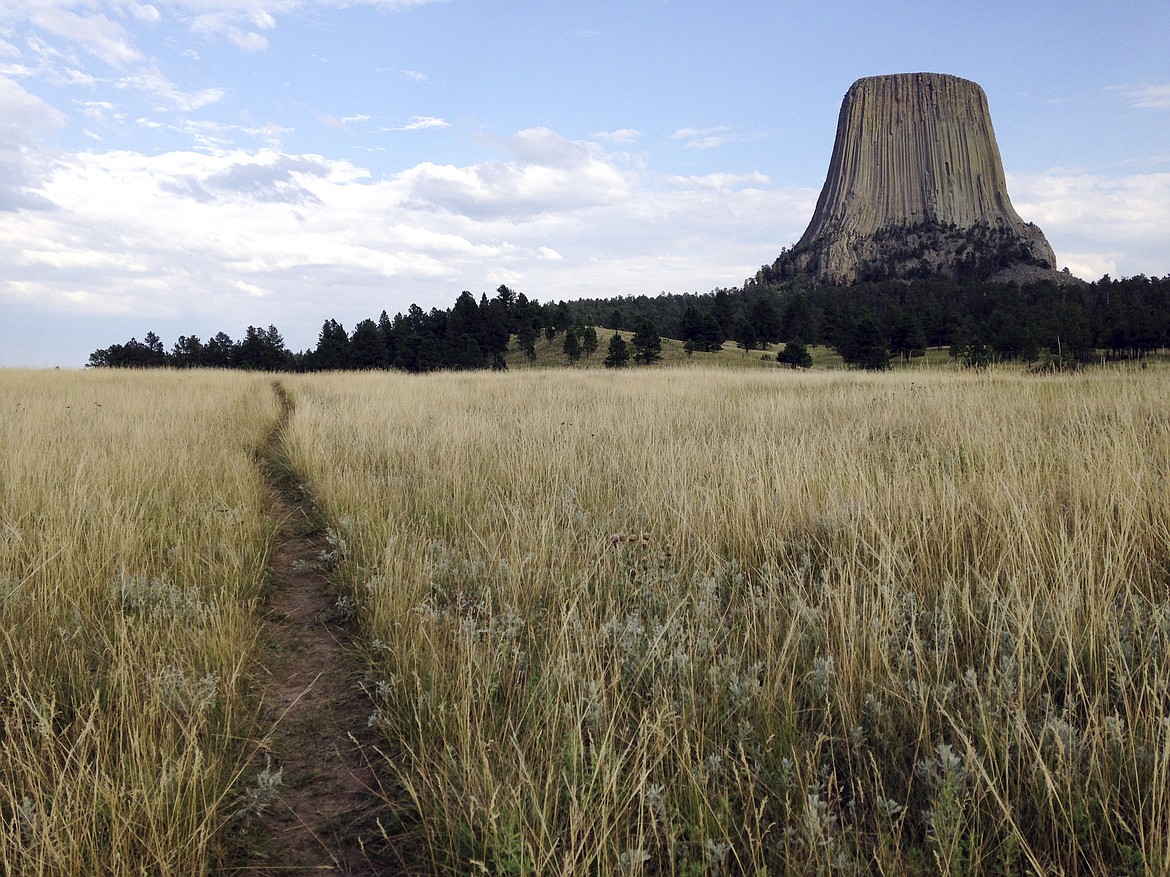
<point x="618" y="354"/>
<point x="571" y="345"/>
<point x="865" y="346"/>
<point x="646" y="343"/>
<point x="588" y="341"/>
<point x="795" y="355"/>
<point x="187" y="352"/>
<point x="745" y="334"/>
<point x="367" y="347"/>
<point x="218" y="351"/>
<point x="765" y="320"/>
<point x="332" y="353"/>
<point x="907" y="337"/>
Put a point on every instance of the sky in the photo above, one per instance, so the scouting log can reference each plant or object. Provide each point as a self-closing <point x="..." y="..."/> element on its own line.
<point x="194" y="166"/>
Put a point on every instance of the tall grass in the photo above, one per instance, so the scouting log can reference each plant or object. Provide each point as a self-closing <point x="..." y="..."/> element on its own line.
<point x="133" y="545"/>
<point x="697" y="622"/>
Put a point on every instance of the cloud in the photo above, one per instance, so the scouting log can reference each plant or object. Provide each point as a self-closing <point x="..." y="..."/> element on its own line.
<point x="334" y="122"/>
<point x="1152" y="97"/>
<point x="722" y="180"/>
<point x="622" y="136"/>
<point x="548" y="173"/>
<point x="155" y="83"/>
<point x="23" y="117"/>
<point x="704" y="138"/>
<point x="273" y="179"/>
<point x="420" y="123"/>
<point x="98" y="35"/>
<point x="248" y="41"/>
<point x="249" y="289"/>
<point x="145" y="12"/>
<point x="1097" y="223"/>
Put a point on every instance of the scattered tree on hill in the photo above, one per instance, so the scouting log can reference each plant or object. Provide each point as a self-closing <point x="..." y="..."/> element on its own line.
<point x="571" y="345"/>
<point x="588" y="341"/>
<point x="795" y="355"/>
<point x="646" y="343"/>
<point x="618" y="355"/>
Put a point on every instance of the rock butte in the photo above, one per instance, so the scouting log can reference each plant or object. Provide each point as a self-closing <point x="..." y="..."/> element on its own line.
<point x="916" y="185"/>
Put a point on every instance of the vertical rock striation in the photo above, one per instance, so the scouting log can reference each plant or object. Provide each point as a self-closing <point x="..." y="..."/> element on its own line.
<point x="915" y="186"/>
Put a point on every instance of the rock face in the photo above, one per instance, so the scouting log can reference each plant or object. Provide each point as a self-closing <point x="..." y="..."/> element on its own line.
<point x="915" y="187"/>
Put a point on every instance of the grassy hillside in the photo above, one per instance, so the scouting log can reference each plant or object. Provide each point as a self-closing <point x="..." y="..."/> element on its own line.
<point x="550" y="354"/>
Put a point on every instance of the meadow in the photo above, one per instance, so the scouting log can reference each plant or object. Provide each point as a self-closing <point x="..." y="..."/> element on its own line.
<point x="134" y="542"/>
<point x="691" y="621"/>
<point x="680" y="620"/>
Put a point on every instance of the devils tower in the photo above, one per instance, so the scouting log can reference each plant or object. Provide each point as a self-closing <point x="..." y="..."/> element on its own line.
<point x="916" y="188"/>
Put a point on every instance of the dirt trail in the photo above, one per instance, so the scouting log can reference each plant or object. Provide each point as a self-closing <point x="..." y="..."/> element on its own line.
<point x="329" y="816"/>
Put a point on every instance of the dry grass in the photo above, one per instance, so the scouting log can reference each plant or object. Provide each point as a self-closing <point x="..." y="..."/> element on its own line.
<point x="668" y="621"/>
<point x="133" y="546"/>
<point x="689" y="621"/>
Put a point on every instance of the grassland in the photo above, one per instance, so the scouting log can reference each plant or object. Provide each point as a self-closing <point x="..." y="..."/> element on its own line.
<point x="133" y="549"/>
<point x="682" y="620"/>
<point x="692" y="621"/>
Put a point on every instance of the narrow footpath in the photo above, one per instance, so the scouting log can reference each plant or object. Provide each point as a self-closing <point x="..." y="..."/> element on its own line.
<point x="329" y="815"/>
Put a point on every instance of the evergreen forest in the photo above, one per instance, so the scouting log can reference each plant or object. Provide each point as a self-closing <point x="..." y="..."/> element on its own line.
<point x="869" y="324"/>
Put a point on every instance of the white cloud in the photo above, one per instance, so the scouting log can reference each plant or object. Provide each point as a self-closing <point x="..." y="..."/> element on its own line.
<point x="249" y="289"/>
<point x="1153" y="97"/>
<point x="247" y="41"/>
<point x="420" y="123"/>
<point x="1097" y="223"/>
<point x="154" y="82"/>
<point x="23" y="118"/>
<point x="621" y="136"/>
<point x="548" y="174"/>
<point x="98" y="35"/>
<point x="334" y="122"/>
<point x="145" y="12"/>
<point x="723" y="180"/>
<point x="704" y="138"/>
<point x="98" y="110"/>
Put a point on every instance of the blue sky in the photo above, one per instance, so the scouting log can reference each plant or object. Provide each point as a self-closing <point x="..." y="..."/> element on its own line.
<point x="192" y="166"/>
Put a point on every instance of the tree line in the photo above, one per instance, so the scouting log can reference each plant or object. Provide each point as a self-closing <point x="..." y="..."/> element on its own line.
<point x="873" y="322"/>
<point x="470" y="334"/>
<point x="868" y="324"/>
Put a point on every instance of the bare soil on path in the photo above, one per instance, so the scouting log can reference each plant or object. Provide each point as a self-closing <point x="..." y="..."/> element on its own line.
<point x="329" y="815"/>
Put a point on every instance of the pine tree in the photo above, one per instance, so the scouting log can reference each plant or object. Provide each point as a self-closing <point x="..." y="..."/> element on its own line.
<point x="618" y="355"/>
<point x="367" y="347"/>
<point x="588" y="341"/>
<point x="795" y="355"/>
<point x="572" y="346"/>
<point x="647" y="345"/>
